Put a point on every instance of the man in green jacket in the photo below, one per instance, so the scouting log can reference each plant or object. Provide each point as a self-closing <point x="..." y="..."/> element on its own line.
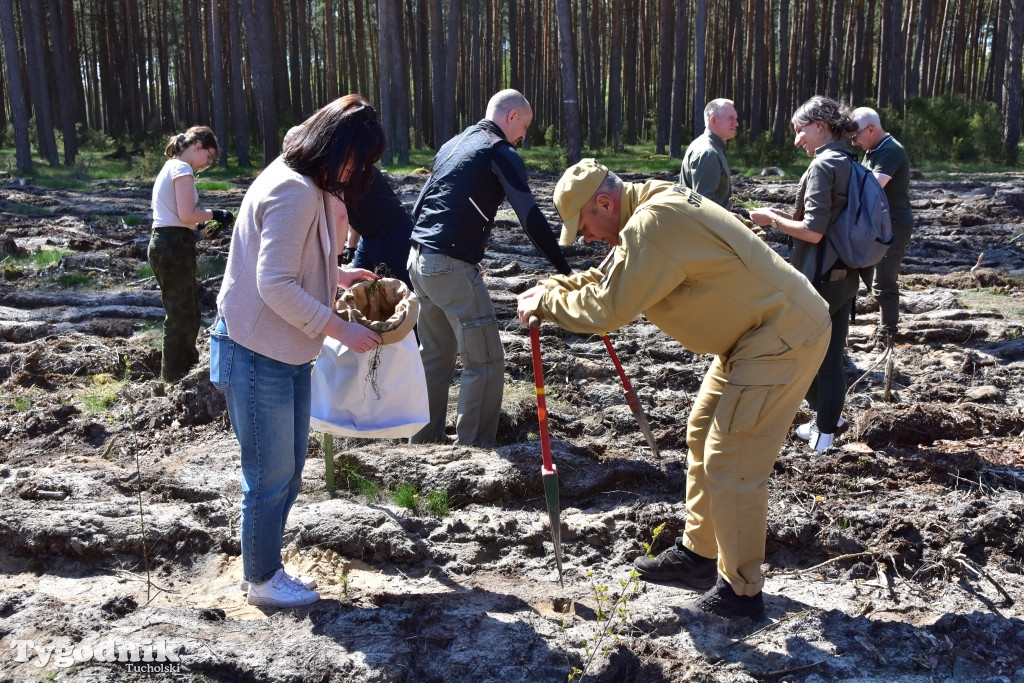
<point x="707" y="281"/>
<point x="887" y="160"/>
<point x="705" y="169"/>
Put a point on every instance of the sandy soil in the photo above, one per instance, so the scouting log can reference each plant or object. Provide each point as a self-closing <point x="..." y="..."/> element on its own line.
<point x="896" y="555"/>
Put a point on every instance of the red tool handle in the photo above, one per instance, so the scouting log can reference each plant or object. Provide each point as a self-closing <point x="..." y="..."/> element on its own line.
<point x="618" y="366"/>
<point x="542" y="406"/>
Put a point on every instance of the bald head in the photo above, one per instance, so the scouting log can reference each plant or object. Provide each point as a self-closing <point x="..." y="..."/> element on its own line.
<point x="513" y="114"/>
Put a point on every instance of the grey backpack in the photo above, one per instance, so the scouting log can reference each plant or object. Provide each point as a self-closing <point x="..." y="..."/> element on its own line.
<point x="863" y="232"/>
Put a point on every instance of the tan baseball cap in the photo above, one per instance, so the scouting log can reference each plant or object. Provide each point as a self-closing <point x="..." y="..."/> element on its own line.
<point x="574" y="189"/>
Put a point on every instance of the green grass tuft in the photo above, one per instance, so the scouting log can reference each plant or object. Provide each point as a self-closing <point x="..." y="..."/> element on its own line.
<point x="406" y="496"/>
<point x="439" y="503"/>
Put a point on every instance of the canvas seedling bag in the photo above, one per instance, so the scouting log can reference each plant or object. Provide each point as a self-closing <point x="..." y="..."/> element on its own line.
<point x="381" y="393"/>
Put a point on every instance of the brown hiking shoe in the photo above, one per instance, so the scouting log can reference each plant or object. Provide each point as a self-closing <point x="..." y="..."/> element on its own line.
<point x="722" y="601"/>
<point x="679" y="563"/>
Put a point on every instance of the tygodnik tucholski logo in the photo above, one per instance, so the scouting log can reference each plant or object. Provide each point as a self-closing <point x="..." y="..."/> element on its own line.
<point x="142" y="656"/>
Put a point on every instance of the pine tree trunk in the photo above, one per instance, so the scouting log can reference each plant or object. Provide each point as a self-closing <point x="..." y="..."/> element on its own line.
<point x="19" y="110"/>
<point x="666" y="33"/>
<point x="570" y="97"/>
<point x="1012" y="81"/>
<point x="33" y="36"/>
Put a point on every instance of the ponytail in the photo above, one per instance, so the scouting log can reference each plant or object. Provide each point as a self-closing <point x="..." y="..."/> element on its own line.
<point x="201" y="134"/>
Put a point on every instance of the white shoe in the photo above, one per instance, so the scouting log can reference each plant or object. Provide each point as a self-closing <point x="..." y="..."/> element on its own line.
<point x="281" y="591"/>
<point x="804" y="431"/>
<point x="305" y="581"/>
<point x="819" y="441"/>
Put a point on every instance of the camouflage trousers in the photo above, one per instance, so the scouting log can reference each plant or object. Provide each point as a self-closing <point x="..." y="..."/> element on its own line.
<point x="172" y="256"/>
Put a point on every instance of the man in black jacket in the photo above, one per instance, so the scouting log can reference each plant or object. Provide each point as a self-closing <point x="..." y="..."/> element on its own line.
<point x="473" y="174"/>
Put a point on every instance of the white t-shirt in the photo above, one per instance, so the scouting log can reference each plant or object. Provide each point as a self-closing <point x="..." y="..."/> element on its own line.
<point x="165" y="203"/>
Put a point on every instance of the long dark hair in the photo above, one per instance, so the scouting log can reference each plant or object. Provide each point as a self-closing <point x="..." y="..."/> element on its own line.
<point x="820" y="109"/>
<point x="337" y="147"/>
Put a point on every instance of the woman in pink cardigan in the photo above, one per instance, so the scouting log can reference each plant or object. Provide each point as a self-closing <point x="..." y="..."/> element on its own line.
<point x="274" y="311"/>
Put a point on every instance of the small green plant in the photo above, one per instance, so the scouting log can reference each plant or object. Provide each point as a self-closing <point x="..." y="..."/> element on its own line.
<point x="344" y="582"/>
<point x="144" y="271"/>
<point x="48" y="257"/>
<point x="613" y="617"/>
<point x="74" y="280"/>
<point x="369" y="489"/>
<point x="654" y="537"/>
<point x="439" y="503"/>
<point x="348" y="473"/>
<point x="748" y="204"/>
<point x="21" y="403"/>
<point x="131" y="220"/>
<point x="103" y="395"/>
<point x="406" y="496"/>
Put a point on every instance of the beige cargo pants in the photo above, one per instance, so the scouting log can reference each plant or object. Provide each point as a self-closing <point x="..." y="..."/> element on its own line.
<point x="736" y="428"/>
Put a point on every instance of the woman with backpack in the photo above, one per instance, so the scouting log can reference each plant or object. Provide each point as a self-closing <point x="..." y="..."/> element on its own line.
<point x="822" y="127"/>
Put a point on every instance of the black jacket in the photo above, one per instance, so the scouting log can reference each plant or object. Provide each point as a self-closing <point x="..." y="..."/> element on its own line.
<point x="473" y="173"/>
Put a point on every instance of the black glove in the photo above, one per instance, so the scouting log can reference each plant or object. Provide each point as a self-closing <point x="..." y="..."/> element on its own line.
<point x="223" y="216"/>
<point x="347" y="254"/>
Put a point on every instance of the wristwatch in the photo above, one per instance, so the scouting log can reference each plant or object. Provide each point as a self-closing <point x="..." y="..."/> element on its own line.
<point x="774" y="223"/>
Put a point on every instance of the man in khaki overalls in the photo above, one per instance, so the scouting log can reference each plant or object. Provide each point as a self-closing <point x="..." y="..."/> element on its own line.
<point x="702" y="277"/>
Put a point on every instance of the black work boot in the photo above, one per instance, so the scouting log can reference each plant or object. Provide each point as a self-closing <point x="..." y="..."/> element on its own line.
<point x="722" y="601"/>
<point x="679" y="563"/>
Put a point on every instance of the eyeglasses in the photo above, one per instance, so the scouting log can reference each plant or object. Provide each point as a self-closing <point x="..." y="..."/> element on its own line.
<point x="853" y="138"/>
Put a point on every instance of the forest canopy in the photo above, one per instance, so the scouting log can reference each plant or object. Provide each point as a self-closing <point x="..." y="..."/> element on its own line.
<point x="945" y="74"/>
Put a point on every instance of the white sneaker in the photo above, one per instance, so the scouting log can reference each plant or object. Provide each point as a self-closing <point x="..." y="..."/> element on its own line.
<point x="305" y="581"/>
<point x="804" y="431"/>
<point x="819" y="441"/>
<point x="281" y="591"/>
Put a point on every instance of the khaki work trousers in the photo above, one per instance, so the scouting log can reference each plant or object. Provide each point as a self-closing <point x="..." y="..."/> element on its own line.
<point x="736" y="428"/>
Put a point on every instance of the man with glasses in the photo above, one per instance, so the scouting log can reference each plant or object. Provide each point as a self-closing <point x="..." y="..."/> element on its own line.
<point x="887" y="160"/>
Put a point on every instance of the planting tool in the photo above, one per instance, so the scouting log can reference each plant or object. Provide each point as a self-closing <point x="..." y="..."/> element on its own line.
<point x="549" y="475"/>
<point x="631" y="399"/>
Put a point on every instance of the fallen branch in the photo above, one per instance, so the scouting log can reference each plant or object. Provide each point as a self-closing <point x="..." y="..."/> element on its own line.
<point x="833" y="560"/>
<point x="966" y="562"/>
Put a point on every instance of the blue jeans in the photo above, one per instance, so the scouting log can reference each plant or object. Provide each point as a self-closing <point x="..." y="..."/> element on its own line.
<point x="268" y="403"/>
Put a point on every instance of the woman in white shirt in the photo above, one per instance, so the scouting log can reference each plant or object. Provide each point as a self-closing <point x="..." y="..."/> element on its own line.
<point x="172" y="247"/>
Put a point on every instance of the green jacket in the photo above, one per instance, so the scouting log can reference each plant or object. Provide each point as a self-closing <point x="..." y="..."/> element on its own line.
<point x="705" y="170"/>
